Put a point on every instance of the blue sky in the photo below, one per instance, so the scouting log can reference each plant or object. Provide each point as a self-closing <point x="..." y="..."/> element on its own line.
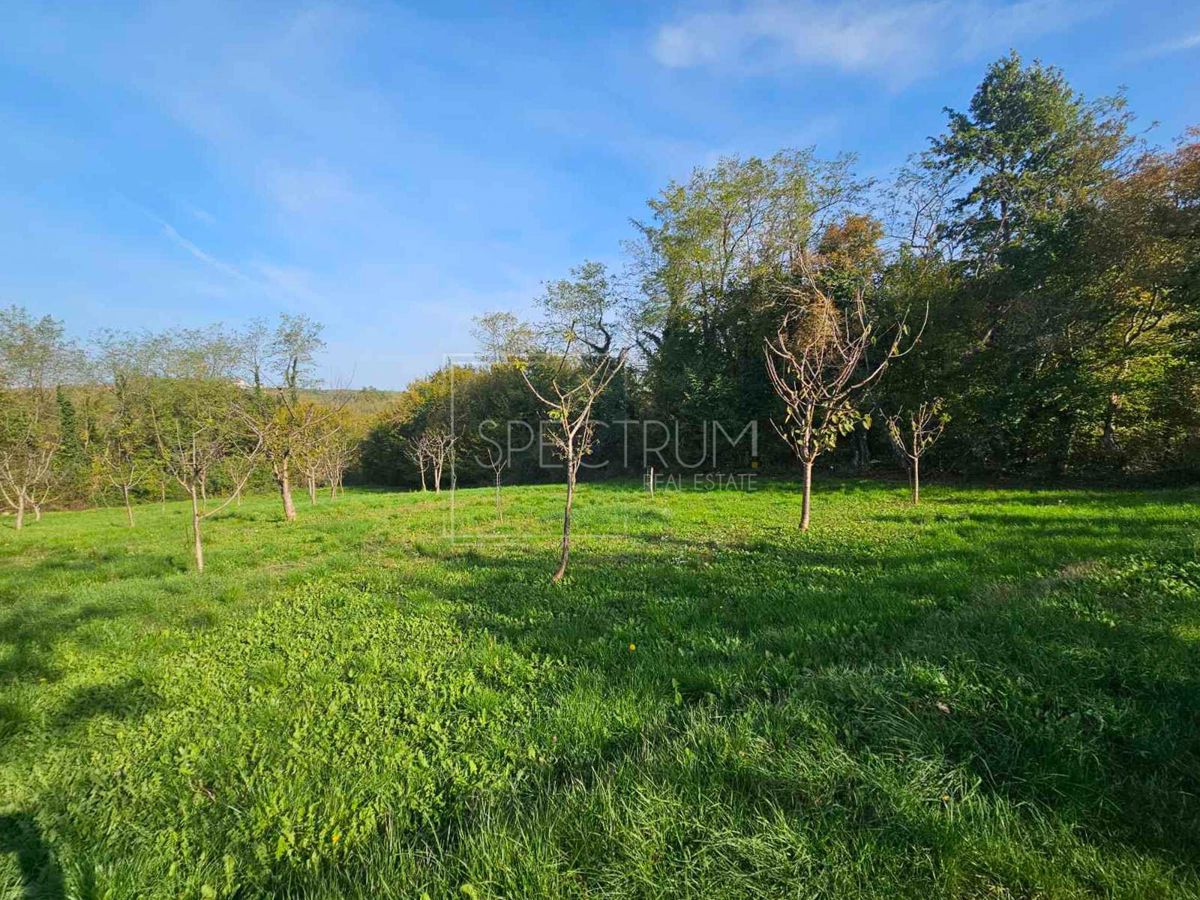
<point x="394" y="169"/>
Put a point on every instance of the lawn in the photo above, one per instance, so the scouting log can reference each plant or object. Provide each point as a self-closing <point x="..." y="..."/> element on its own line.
<point x="995" y="694"/>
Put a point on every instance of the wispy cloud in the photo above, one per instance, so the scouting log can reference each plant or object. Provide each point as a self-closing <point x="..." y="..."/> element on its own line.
<point x="1167" y="48"/>
<point x="207" y="258"/>
<point x="898" y="42"/>
<point x="304" y="191"/>
<point x="202" y="215"/>
<point x="285" y="284"/>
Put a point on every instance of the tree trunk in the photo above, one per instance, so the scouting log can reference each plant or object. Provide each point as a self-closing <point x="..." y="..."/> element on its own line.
<point x="916" y="480"/>
<point x="37" y="512"/>
<point x="197" y="541"/>
<point x="285" y="492"/>
<point x="128" y="507"/>
<point x="20" y="523"/>
<point x="312" y="490"/>
<point x="862" y="448"/>
<point x="806" y="506"/>
<point x="499" y="515"/>
<point x="566" y="534"/>
<point x="424" y="487"/>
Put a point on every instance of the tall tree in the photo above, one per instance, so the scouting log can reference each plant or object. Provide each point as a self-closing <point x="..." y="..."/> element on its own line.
<point x="502" y="336"/>
<point x="584" y="304"/>
<point x="1029" y="149"/>
<point x="286" y="425"/>
<point x="293" y="352"/>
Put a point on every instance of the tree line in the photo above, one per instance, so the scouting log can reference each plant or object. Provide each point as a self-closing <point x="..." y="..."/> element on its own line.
<point x="1051" y="253"/>
<point x="198" y="413"/>
<point x="1030" y="278"/>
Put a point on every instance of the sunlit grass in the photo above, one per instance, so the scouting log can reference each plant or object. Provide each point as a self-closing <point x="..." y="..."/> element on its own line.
<point x="994" y="694"/>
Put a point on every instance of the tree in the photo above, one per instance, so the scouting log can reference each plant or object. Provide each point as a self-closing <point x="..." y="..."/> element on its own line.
<point x="573" y="386"/>
<point x="418" y="451"/>
<point x="818" y="364"/>
<point x="324" y="458"/>
<point x="583" y="304"/>
<point x="498" y="459"/>
<point x="728" y="226"/>
<point x="27" y="451"/>
<point x="439" y="447"/>
<point x="1034" y="149"/>
<point x="338" y="452"/>
<point x="703" y="270"/>
<point x="1026" y="166"/>
<point x="285" y="424"/>
<point x="195" y="425"/>
<point x="125" y="464"/>
<point x="502" y="336"/>
<point x="288" y="434"/>
<point x="914" y="434"/>
<point x="1140" y="286"/>
<point x="35" y="357"/>
<point x="126" y="457"/>
<point x="293" y="352"/>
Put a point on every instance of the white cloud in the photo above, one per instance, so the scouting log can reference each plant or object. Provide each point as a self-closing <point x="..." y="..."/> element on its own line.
<point x="899" y="41"/>
<point x="300" y="191"/>
<point x="1191" y="42"/>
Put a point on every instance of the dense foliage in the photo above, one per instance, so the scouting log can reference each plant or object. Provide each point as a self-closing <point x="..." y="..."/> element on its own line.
<point x="1056" y="257"/>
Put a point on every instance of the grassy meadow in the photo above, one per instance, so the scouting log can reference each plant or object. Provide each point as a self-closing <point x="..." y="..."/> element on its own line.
<point x="995" y="694"/>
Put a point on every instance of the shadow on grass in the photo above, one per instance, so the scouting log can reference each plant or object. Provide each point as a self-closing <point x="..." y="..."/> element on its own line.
<point x="121" y="700"/>
<point x="40" y="874"/>
<point x="30" y="638"/>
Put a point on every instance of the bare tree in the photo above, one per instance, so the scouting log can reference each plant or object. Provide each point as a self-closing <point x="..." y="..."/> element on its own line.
<point x="418" y="451"/>
<point x="913" y="437"/>
<point x="239" y="465"/>
<point x="818" y="364"/>
<point x="125" y="458"/>
<point x="574" y="386"/>
<point x="25" y="473"/>
<point x="315" y="457"/>
<point x="498" y="460"/>
<point x="125" y="468"/>
<point x="194" y="428"/>
<point x="339" y="451"/>
<point x="440" y="443"/>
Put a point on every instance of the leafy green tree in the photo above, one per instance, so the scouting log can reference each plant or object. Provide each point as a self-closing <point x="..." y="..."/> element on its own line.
<point x="1029" y="150"/>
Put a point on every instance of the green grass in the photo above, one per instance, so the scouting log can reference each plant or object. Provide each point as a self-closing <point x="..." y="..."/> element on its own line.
<point x="996" y="694"/>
